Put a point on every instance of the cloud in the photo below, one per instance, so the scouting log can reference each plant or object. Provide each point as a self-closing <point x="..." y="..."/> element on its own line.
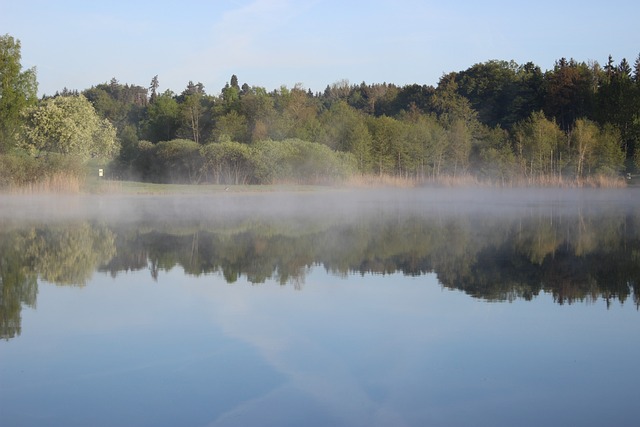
<point x="301" y="334"/>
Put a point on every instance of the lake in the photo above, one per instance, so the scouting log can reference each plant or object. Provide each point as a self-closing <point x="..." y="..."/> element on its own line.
<point x="432" y="307"/>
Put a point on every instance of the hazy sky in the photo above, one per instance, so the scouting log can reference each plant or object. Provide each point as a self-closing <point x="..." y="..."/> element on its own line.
<point x="269" y="43"/>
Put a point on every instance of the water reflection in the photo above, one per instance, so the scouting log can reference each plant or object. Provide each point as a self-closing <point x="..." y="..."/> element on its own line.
<point x="574" y="255"/>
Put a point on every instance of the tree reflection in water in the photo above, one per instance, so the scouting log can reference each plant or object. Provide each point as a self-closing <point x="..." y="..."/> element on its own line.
<point x="575" y="256"/>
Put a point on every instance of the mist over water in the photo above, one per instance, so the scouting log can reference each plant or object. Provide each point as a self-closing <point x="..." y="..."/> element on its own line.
<point x="335" y="307"/>
<point x="320" y="203"/>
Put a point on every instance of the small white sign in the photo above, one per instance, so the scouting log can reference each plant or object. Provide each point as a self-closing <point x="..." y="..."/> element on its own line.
<point x="100" y="172"/>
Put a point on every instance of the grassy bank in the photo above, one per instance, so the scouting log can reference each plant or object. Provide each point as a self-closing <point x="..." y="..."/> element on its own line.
<point x="91" y="183"/>
<point x="136" y="187"/>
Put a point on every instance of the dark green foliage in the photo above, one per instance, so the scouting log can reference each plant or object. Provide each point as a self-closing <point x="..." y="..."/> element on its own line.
<point x="502" y="92"/>
<point x="121" y="104"/>
<point x="178" y="161"/>
<point x="618" y="101"/>
<point x="569" y="92"/>
<point x="162" y="119"/>
<point x="155" y="84"/>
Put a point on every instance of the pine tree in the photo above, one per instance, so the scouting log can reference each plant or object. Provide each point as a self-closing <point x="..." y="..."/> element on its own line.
<point x="155" y="84"/>
<point x="624" y="69"/>
<point x="234" y="81"/>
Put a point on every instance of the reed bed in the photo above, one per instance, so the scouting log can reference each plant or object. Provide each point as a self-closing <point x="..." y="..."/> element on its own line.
<point x="63" y="183"/>
<point x="59" y="183"/>
<point x="457" y="181"/>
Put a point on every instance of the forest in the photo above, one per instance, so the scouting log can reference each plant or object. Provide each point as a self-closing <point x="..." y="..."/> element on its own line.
<point x="496" y="122"/>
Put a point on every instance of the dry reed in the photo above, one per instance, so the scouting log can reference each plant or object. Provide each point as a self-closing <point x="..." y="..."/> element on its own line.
<point x="368" y="181"/>
<point x="56" y="183"/>
<point x="451" y="181"/>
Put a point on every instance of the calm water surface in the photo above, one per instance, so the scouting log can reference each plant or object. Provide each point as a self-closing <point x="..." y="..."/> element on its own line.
<point x="413" y="308"/>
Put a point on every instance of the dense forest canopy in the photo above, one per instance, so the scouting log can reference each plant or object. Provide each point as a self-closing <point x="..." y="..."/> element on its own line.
<point x="497" y="121"/>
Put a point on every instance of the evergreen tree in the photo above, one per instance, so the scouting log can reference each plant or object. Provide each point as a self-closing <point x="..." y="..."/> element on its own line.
<point x="234" y="81"/>
<point x="155" y="84"/>
<point x="568" y="92"/>
<point x="624" y="69"/>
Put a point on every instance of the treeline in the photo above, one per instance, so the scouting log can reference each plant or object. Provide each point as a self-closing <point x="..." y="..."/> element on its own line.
<point x="496" y="121"/>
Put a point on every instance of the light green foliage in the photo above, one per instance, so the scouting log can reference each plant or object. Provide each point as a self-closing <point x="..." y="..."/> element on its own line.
<point x="17" y="91"/>
<point x="386" y="134"/>
<point x="459" y="147"/>
<point x="345" y="130"/>
<point x="608" y="157"/>
<point x="192" y="109"/>
<point x="230" y="98"/>
<point x="298" y="113"/>
<point x="539" y="145"/>
<point x="69" y="125"/>
<point x="595" y="150"/>
<point x="304" y="162"/>
<point x="460" y="120"/>
<point x="227" y="162"/>
<point x="70" y="256"/>
<point x="233" y="126"/>
<point x="584" y="138"/>
<point x="270" y="161"/>
<point x="428" y="142"/>
<point x="495" y="157"/>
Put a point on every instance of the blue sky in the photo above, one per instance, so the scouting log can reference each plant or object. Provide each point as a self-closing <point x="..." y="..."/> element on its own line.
<point x="269" y="43"/>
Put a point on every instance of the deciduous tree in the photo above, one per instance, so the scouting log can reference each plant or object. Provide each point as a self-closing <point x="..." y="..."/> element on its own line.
<point x="192" y="108"/>
<point x="539" y="145"/>
<point x="163" y="118"/>
<point x="17" y="91"/>
<point x="584" y="138"/>
<point x="69" y="125"/>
